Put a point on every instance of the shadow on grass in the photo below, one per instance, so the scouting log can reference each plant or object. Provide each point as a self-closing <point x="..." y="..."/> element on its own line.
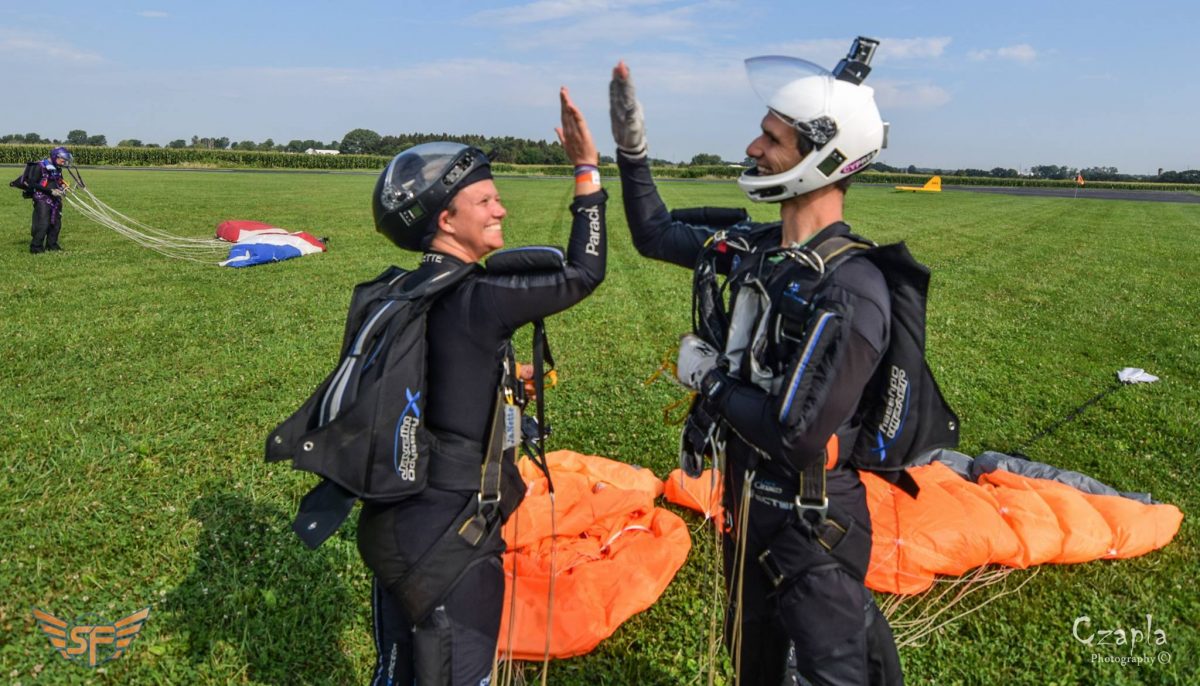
<point x="257" y="598"/>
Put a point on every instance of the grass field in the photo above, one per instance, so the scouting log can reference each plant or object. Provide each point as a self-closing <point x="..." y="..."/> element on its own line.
<point x="137" y="392"/>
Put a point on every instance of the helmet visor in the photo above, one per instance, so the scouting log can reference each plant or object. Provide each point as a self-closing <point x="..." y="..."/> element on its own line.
<point x="64" y="155"/>
<point x="771" y="74"/>
<point x="795" y="89"/>
<point x="417" y="169"/>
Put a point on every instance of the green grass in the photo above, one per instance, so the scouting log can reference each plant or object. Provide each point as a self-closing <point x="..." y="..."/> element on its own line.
<point x="137" y="392"/>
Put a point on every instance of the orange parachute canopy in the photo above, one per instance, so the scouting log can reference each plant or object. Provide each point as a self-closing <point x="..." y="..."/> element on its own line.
<point x="612" y="557"/>
<point x="956" y="525"/>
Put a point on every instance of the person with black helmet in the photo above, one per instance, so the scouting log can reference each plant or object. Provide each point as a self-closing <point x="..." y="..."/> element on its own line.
<point x="440" y="199"/>
<point x="781" y="372"/>
<point x="48" y="186"/>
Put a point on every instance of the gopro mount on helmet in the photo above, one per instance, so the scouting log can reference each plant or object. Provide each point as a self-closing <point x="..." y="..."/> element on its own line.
<point x="857" y="63"/>
<point x="831" y="110"/>
<point x="418" y="184"/>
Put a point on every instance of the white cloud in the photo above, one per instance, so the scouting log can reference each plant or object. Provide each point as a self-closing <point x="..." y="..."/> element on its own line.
<point x="912" y="48"/>
<point x="43" y="47"/>
<point x="1022" y="52"/>
<point x="612" y="29"/>
<point x="551" y="10"/>
<point x="153" y="14"/>
<point x="907" y="95"/>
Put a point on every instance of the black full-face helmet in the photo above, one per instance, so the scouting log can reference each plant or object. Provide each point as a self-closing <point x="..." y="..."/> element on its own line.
<point x="418" y="184"/>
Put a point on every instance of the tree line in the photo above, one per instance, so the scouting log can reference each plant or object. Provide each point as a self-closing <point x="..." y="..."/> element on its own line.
<point x="513" y="150"/>
<point x="1051" y="171"/>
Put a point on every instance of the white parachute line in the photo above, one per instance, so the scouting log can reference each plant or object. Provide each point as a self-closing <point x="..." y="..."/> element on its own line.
<point x="207" y="256"/>
<point x="203" y="250"/>
<point x="105" y="215"/>
<point x="150" y="230"/>
<point x="934" y="610"/>
<point x="159" y="245"/>
<point x="95" y="211"/>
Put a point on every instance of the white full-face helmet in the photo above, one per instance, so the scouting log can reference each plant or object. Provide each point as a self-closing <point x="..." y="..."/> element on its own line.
<point x="832" y="110"/>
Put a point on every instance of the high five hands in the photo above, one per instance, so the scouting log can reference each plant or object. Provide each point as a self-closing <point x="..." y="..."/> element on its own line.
<point x="577" y="142"/>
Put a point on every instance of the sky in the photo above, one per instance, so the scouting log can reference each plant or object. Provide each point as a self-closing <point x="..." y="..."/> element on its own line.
<point x="963" y="84"/>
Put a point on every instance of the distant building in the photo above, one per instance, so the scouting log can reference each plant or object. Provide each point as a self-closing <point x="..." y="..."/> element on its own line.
<point x="318" y="151"/>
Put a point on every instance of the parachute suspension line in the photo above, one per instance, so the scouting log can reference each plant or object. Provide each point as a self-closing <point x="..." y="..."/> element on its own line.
<point x="914" y="618"/>
<point x="741" y="527"/>
<point x="542" y="356"/>
<point x="717" y="602"/>
<point x="506" y="674"/>
<point x="550" y="591"/>
<point x="152" y="233"/>
<point x="150" y="230"/>
<point x="205" y="250"/>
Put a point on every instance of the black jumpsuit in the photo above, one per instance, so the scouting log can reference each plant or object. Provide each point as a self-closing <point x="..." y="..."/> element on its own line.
<point x="823" y="608"/>
<point x="468" y="330"/>
<point x="47" y="208"/>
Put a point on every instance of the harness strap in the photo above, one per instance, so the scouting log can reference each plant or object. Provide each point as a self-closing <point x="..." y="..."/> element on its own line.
<point x="541" y="357"/>
<point x="475" y="528"/>
<point x="811" y="500"/>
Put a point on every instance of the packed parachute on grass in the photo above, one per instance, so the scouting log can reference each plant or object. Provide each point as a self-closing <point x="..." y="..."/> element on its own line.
<point x="974" y="522"/>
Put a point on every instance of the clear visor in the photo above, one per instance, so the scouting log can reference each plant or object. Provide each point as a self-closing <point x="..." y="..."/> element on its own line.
<point x="770" y="75"/>
<point x="66" y="157"/>
<point x="413" y="171"/>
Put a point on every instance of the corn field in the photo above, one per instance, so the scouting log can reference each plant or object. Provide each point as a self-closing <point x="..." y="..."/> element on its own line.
<point x="91" y="155"/>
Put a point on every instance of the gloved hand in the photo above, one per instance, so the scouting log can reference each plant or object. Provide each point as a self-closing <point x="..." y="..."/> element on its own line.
<point x="628" y="121"/>
<point x="696" y="358"/>
<point x="698" y="442"/>
<point x="57" y="192"/>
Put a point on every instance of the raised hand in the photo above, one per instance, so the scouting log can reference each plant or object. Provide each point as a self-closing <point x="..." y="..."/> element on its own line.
<point x="574" y="135"/>
<point x="628" y="121"/>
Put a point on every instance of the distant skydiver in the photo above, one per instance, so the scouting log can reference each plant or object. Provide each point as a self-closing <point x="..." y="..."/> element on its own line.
<point x="48" y="186"/>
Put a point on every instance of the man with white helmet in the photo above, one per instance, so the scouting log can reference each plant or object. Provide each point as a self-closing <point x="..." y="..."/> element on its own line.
<point x="782" y="374"/>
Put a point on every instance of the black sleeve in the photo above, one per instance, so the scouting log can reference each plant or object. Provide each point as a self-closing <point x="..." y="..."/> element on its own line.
<point x="655" y="235"/>
<point x="517" y="299"/>
<point x="843" y="344"/>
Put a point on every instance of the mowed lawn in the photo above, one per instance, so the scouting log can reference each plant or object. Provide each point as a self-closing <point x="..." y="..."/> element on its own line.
<point x="137" y="391"/>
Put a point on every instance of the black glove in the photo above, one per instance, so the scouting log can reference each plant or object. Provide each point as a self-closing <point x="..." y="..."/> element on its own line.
<point x="701" y="433"/>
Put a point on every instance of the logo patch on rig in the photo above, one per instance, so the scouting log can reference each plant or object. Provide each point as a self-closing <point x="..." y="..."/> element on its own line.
<point x="897" y="401"/>
<point x="405" y="451"/>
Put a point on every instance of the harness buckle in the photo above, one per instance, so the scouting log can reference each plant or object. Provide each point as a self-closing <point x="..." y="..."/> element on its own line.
<point x="771" y="567"/>
<point x="819" y="510"/>
<point x="475" y="528"/>
<point x="487" y="505"/>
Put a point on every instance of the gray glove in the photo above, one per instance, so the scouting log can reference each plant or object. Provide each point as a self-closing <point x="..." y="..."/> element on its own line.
<point x="696" y="359"/>
<point x="628" y="121"/>
<point x="57" y="192"/>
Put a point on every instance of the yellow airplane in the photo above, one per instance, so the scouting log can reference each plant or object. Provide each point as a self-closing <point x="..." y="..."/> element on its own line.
<point x="934" y="185"/>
